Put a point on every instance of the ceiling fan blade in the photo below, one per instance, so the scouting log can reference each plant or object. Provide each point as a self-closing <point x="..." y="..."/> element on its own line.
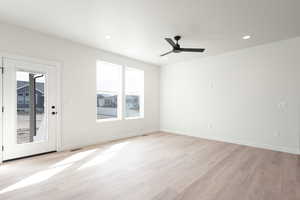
<point x="191" y="50"/>
<point x="171" y="42"/>
<point x="166" y="53"/>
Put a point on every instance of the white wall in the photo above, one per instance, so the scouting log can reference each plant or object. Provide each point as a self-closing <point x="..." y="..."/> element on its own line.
<point x="250" y="96"/>
<point x="78" y="79"/>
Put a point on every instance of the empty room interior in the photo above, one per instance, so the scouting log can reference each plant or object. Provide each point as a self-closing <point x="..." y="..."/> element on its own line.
<point x="150" y="100"/>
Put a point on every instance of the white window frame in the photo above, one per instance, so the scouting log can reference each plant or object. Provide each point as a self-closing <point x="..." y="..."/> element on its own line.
<point x="118" y="93"/>
<point x="141" y="95"/>
<point x="121" y="96"/>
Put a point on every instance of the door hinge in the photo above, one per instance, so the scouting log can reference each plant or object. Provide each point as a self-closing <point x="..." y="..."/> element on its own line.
<point x="2" y="148"/>
<point x="3" y="109"/>
<point x="2" y="70"/>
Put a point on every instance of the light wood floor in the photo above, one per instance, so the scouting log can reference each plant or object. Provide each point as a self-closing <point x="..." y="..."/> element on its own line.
<point x="155" y="167"/>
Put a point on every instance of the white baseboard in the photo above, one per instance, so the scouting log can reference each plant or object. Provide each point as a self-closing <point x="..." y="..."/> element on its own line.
<point x="70" y="147"/>
<point x="240" y="142"/>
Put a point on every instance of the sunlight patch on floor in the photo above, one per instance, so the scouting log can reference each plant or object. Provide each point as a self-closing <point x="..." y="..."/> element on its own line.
<point x="76" y="157"/>
<point x="35" y="178"/>
<point x="105" y="155"/>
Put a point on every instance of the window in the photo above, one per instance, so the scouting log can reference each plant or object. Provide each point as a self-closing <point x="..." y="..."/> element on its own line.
<point x="20" y="98"/>
<point x="134" y="92"/>
<point x="120" y="92"/>
<point x="109" y="82"/>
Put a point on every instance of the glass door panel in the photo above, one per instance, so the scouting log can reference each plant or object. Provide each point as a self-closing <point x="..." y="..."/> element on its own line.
<point x="31" y="122"/>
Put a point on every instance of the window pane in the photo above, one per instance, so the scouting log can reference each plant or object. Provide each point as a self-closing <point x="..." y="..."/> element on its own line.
<point x="134" y="92"/>
<point x="108" y="77"/>
<point x="107" y="106"/>
<point x="132" y="106"/>
<point x="30" y="108"/>
<point x="134" y="80"/>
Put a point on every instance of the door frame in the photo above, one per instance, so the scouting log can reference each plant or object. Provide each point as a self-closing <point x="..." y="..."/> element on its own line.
<point x="49" y="63"/>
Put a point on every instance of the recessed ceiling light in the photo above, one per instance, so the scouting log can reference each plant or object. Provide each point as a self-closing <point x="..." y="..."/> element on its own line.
<point x="246" y="37"/>
<point x="107" y="37"/>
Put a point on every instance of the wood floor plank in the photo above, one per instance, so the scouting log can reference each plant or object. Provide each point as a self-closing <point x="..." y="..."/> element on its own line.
<point x="159" y="166"/>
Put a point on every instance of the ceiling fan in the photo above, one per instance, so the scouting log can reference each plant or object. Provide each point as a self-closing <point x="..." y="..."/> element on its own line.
<point x="178" y="49"/>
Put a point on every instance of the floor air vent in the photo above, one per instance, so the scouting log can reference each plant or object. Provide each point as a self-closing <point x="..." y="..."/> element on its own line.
<point x="75" y="149"/>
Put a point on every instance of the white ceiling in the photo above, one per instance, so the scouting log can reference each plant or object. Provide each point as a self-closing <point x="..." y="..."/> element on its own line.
<point x="137" y="27"/>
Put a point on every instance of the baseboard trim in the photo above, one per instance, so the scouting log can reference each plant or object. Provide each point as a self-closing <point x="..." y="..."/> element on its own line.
<point x="240" y="142"/>
<point x="101" y="142"/>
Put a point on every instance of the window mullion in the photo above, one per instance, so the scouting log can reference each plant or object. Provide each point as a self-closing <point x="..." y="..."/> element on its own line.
<point x="133" y="93"/>
<point x="123" y="103"/>
<point x="108" y="92"/>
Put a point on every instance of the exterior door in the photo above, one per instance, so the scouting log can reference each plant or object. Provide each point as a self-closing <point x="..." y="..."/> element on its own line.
<point x="30" y="101"/>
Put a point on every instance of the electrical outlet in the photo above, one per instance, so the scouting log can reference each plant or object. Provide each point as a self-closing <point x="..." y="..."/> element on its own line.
<point x="210" y="126"/>
<point x="282" y="105"/>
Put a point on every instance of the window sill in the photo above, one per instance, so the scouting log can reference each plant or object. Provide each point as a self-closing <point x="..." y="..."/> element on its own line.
<point x="129" y="118"/>
<point x="107" y="120"/>
<point x="117" y="119"/>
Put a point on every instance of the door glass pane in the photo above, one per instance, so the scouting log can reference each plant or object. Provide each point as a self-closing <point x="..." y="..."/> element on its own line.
<point x="31" y="118"/>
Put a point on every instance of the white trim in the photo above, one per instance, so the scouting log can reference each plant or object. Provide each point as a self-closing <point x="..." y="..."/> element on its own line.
<point x="139" y="117"/>
<point x="140" y="94"/>
<point x="299" y="144"/>
<point x="107" y="120"/>
<point x="1" y="114"/>
<point x="58" y="67"/>
<point x="240" y="142"/>
<point x="105" y="141"/>
<point x="107" y="92"/>
<point x="31" y="59"/>
<point x="59" y="108"/>
<point x="123" y="95"/>
<point x="118" y="93"/>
